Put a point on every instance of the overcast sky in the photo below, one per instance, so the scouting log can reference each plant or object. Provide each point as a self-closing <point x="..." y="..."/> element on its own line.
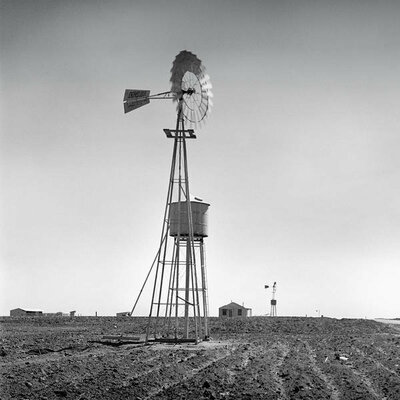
<point x="299" y="158"/>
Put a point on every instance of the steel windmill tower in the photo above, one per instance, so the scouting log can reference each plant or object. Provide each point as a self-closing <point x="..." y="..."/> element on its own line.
<point x="179" y="302"/>
<point x="273" y="301"/>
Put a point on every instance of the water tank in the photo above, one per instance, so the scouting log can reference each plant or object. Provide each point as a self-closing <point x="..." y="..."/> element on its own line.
<point x="199" y="217"/>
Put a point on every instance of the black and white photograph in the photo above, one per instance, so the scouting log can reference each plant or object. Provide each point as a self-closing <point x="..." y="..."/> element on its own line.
<point x="199" y="199"/>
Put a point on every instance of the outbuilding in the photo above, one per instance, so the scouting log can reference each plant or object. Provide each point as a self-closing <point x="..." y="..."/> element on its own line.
<point x="234" y="310"/>
<point x="123" y="314"/>
<point x="22" y="312"/>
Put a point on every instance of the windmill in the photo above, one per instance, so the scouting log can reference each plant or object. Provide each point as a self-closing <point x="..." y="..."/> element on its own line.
<point x="273" y="301"/>
<point x="179" y="302"/>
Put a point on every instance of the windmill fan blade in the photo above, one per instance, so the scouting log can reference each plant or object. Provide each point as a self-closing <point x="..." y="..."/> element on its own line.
<point x="191" y="87"/>
<point x="184" y="61"/>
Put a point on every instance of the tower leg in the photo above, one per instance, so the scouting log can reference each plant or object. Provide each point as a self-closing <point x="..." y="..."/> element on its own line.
<point x="204" y="287"/>
<point x="187" y="283"/>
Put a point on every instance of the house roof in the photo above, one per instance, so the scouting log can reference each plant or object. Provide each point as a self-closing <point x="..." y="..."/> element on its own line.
<point x="27" y="309"/>
<point x="234" y="305"/>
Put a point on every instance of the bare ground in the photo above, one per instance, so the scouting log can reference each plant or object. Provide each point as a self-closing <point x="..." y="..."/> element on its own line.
<point x="254" y="358"/>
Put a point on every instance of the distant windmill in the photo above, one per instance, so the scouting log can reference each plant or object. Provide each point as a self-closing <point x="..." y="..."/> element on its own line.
<point x="273" y="301"/>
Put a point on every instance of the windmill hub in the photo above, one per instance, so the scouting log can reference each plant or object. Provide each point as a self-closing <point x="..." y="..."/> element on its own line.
<point x="190" y="91"/>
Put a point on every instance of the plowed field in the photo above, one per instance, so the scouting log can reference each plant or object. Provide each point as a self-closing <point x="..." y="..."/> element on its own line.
<point x="255" y="358"/>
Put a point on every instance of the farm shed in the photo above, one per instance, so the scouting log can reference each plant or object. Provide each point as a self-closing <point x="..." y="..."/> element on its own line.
<point x="123" y="314"/>
<point x="234" y="310"/>
<point x="20" y="312"/>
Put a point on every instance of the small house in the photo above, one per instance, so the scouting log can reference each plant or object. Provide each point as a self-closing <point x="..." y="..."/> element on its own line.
<point x="21" y="312"/>
<point x="234" y="310"/>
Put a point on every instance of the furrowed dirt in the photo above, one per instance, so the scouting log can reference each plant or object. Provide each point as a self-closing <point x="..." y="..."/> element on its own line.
<point x="254" y="358"/>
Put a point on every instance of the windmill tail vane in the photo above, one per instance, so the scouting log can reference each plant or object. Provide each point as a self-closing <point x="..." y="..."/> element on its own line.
<point x="135" y="98"/>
